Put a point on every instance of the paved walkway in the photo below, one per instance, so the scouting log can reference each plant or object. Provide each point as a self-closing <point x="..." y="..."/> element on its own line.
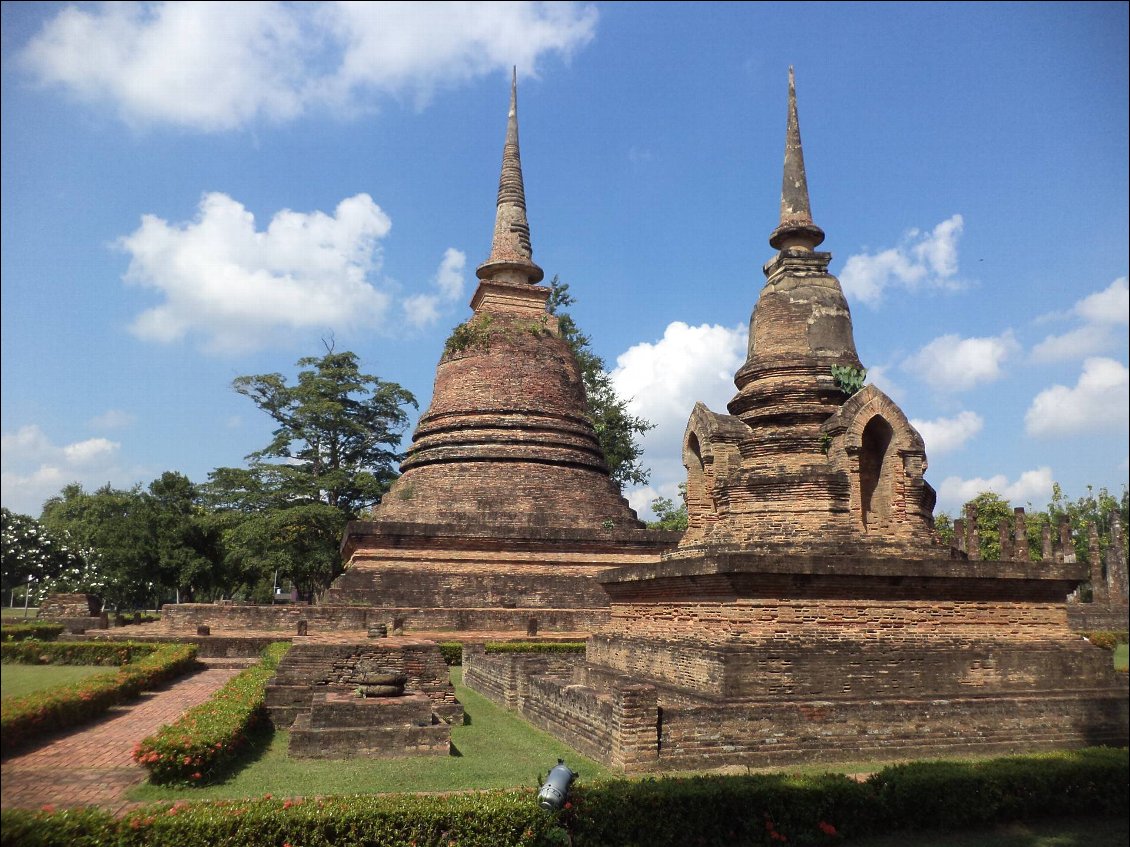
<point x="91" y="765"/>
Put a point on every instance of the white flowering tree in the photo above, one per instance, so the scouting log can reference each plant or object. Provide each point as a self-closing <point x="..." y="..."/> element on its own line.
<point x="48" y="561"/>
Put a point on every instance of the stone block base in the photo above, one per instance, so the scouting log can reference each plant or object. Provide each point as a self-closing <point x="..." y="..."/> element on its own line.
<point x="341" y="725"/>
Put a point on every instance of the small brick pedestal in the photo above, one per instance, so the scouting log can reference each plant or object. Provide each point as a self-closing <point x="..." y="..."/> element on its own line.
<point x="341" y="725"/>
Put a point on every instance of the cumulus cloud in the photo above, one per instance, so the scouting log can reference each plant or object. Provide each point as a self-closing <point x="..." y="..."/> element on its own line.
<point x="221" y="66"/>
<point x="33" y="468"/>
<point x="1033" y="486"/>
<point x="944" y="435"/>
<point x="1101" y="313"/>
<point x="424" y="309"/>
<point x="1099" y="402"/>
<point x="237" y="286"/>
<point x="922" y="260"/>
<point x="662" y="381"/>
<point x="951" y="363"/>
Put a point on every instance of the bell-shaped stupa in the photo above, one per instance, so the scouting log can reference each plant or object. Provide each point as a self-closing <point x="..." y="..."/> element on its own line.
<point x="504" y="500"/>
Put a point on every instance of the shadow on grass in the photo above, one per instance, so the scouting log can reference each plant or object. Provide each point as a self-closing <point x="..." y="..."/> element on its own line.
<point x="258" y="742"/>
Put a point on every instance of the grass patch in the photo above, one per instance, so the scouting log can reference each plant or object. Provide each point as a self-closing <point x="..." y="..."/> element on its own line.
<point x="18" y="680"/>
<point x="494" y="750"/>
<point x="1071" y="832"/>
<point x="16" y="613"/>
<point x="1121" y="657"/>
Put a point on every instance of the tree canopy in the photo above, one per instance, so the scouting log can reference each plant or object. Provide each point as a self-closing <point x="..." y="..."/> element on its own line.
<point x="617" y="429"/>
<point x="333" y="454"/>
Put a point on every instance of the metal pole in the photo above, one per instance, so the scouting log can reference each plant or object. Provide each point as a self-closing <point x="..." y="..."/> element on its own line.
<point x="27" y="594"/>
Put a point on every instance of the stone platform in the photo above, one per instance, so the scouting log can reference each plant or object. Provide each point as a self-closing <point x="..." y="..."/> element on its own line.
<point x="341" y="725"/>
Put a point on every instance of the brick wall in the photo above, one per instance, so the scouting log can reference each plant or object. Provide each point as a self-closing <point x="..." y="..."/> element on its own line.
<point x="185" y="617"/>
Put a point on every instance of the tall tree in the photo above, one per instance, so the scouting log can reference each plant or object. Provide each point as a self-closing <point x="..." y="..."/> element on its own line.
<point x="117" y="527"/>
<point x="337" y="432"/>
<point x="617" y="429"/>
<point x="333" y="454"/>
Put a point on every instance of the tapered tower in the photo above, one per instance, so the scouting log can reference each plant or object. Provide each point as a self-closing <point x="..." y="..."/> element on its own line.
<point x="807" y="453"/>
<point x="504" y="500"/>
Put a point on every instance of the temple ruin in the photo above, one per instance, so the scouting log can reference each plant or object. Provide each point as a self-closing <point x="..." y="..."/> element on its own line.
<point x="810" y="612"/>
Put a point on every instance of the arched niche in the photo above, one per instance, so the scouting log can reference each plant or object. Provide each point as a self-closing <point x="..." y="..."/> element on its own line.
<point x="876" y="472"/>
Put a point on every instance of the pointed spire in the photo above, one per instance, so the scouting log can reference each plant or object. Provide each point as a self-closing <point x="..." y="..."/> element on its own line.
<point x="796" y="228"/>
<point x="511" y="253"/>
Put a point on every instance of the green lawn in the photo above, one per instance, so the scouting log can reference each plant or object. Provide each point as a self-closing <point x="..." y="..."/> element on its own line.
<point x="17" y="680"/>
<point x="11" y="615"/>
<point x="493" y="749"/>
<point x="1078" y="832"/>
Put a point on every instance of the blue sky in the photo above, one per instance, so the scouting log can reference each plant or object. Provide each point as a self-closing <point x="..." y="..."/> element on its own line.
<point x="192" y="192"/>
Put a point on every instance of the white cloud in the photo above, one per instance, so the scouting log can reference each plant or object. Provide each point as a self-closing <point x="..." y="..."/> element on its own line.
<point x="33" y="468"/>
<point x="1082" y="341"/>
<point x="946" y="434"/>
<point x="220" y="66"/>
<point x="112" y="419"/>
<point x="921" y="260"/>
<point x="236" y="286"/>
<point x="662" y="381"/>
<point x="1101" y="312"/>
<point x="952" y="363"/>
<point x="1033" y="486"/>
<point x="1109" y="306"/>
<point x="1099" y="401"/>
<point x="424" y="309"/>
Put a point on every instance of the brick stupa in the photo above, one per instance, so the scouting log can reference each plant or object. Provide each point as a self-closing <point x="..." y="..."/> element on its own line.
<point x="809" y="613"/>
<point x="505" y="509"/>
<point x="801" y="460"/>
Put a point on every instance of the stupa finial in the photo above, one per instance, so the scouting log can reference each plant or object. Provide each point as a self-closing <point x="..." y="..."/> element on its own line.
<point x="796" y="229"/>
<point x="511" y="253"/>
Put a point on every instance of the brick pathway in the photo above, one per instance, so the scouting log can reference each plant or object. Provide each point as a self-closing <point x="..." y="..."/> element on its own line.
<point x="91" y="765"/>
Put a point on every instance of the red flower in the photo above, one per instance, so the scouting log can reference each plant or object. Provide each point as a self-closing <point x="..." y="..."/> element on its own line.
<point x="197" y="775"/>
<point x="48" y="808"/>
<point x="827" y="828"/>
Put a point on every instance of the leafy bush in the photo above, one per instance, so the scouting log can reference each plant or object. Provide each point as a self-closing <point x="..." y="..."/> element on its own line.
<point x="848" y="379"/>
<point x="452" y="652"/>
<point x="534" y="646"/>
<point x="954" y="795"/>
<point x="24" y="719"/>
<point x="41" y="630"/>
<point x="720" y="810"/>
<point x="206" y="737"/>
<point x="110" y="653"/>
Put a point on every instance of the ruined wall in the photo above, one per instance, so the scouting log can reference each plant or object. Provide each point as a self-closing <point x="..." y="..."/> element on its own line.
<point x="186" y="617"/>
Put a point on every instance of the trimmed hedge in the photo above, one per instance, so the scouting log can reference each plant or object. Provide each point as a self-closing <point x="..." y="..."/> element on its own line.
<point x="26" y="718"/>
<point x="452" y="652"/>
<point x="707" y="811"/>
<point x="534" y="647"/>
<point x="204" y="739"/>
<point x="41" y="630"/>
<point x="490" y="819"/>
<point x="113" y="654"/>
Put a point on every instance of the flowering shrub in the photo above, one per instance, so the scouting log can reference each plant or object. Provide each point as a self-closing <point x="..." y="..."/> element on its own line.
<point x="23" y="719"/>
<point x="40" y="630"/>
<point x="206" y="737"/>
